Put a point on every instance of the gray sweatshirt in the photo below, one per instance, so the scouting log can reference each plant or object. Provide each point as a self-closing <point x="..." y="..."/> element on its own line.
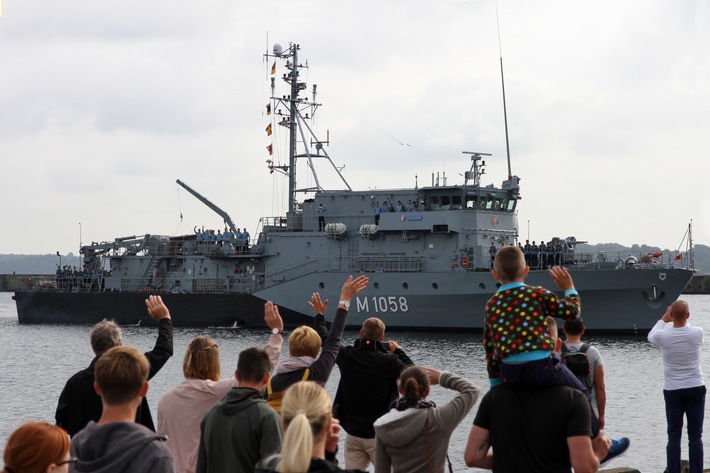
<point x="401" y="438"/>
<point x="120" y="447"/>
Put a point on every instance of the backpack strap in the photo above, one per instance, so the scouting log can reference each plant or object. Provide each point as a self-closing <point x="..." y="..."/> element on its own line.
<point x="583" y="349"/>
<point x="269" y="391"/>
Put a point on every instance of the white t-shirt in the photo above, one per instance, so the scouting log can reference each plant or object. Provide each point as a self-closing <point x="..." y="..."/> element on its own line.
<point x="680" y="347"/>
<point x="595" y="359"/>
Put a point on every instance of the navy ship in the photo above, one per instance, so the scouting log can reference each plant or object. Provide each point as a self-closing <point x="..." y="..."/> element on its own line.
<point x="426" y="250"/>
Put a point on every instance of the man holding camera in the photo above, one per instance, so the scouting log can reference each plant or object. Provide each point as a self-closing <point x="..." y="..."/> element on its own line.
<point x="368" y="384"/>
<point x="683" y="383"/>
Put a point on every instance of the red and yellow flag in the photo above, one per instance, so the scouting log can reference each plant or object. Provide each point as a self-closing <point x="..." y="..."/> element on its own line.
<point x="268" y="109"/>
<point x="273" y="68"/>
<point x="268" y="129"/>
<point x="270" y="148"/>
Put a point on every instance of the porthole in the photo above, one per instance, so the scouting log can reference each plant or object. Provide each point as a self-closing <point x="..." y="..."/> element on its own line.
<point x="482" y="285"/>
<point x="376" y="285"/>
<point x="321" y="285"/>
<point x="435" y="285"/>
<point x="405" y="285"/>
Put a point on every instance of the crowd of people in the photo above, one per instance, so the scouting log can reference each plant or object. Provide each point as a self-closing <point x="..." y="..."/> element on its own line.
<point x="274" y="414"/>
<point x="71" y="278"/>
<point x="538" y="256"/>
<point x="398" y="207"/>
<point x="239" y="238"/>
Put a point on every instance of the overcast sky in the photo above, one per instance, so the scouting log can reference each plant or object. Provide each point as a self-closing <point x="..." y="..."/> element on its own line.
<point x="104" y="104"/>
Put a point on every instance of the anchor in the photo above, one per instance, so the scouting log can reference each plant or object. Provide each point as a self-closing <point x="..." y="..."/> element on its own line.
<point x="655" y="295"/>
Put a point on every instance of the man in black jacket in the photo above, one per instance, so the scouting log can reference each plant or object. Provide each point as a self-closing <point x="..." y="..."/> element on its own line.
<point x="369" y="370"/>
<point x="79" y="403"/>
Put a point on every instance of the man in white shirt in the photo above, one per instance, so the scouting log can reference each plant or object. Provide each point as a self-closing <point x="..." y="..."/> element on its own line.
<point x="683" y="387"/>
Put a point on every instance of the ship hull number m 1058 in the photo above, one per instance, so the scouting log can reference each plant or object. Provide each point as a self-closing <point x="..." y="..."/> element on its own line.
<point x="381" y="304"/>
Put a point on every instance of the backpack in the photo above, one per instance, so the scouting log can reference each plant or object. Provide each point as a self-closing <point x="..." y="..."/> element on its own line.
<point x="274" y="399"/>
<point x="577" y="362"/>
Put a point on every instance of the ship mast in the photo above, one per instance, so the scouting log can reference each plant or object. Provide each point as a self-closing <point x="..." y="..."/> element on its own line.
<point x="292" y="78"/>
<point x="300" y="110"/>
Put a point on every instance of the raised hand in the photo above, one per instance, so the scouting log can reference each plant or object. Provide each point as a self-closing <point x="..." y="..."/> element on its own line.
<point x="562" y="278"/>
<point x="433" y="375"/>
<point x="319" y="307"/>
<point x="156" y="308"/>
<point x="272" y="317"/>
<point x="352" y="287"/>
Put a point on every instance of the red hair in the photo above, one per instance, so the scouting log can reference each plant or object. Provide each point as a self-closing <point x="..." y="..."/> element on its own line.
<point x="34" y="446"/>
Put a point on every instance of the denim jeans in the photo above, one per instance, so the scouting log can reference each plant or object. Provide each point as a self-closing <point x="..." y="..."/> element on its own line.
<point x="691" y="403"/>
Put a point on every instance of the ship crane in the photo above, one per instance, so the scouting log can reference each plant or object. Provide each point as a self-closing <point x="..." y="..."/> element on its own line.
<point x="227" y="219"/>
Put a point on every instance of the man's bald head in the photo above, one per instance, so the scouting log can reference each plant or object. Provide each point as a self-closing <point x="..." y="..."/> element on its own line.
<point x="680" y="310"/>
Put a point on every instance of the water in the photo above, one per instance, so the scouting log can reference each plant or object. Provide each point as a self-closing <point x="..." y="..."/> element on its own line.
<point x="38" y="359"/>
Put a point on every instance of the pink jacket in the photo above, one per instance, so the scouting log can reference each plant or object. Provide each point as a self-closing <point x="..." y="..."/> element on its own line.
<point x="182" y="408"/>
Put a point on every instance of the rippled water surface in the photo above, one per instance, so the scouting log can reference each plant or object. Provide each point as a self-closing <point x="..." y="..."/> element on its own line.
<point x="38" y="359"/>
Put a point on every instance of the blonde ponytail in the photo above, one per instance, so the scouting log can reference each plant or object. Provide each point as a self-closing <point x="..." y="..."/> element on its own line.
<point x="305" y="413"/>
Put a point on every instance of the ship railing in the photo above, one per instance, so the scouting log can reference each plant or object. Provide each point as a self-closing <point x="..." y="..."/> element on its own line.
<point x="78" y="283"/>
<point x="368" y="264"/>
<point x="232" y="285"/>
<point x="37" y="283"/>
<point x="387" y="264"/>
<point x="611" y="260"/>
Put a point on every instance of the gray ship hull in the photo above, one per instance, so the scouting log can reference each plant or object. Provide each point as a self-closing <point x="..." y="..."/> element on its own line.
<point x="613" y="301"/>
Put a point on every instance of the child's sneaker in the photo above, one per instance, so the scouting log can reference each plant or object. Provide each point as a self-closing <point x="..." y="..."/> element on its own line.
<point x="618" y="447"/>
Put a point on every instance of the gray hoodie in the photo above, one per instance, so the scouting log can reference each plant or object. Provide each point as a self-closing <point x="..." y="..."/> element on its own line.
<point x="237" y="432"/>
<point x="120" y="447"/>
<point x="401" y="436"/>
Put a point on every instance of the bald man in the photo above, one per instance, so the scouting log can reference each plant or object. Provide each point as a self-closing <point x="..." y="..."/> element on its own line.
<point x="683" y="386"/>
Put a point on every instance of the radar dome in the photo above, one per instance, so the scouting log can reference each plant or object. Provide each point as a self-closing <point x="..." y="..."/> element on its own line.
<point x="278" y="50"/>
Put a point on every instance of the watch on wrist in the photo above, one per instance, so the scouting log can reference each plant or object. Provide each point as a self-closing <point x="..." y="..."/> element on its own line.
<point x="277" y="331"/>
<point x="345" y="303"/>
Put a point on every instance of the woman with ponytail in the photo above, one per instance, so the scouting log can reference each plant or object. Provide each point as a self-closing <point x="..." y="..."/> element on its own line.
<point x="414" y="436"/>
<point x="310" y="435"/>
<point x="38" y="447"/>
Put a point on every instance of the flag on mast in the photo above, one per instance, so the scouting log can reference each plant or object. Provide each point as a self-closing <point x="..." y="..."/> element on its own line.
<point x="268" y="109"/>
<point x="270" y="148"/>
<point x="268" y="129"/>
<point x="273" y="68"/>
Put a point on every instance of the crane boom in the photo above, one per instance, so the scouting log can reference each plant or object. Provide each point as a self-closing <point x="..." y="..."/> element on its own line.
<point x="225" y="216"/>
